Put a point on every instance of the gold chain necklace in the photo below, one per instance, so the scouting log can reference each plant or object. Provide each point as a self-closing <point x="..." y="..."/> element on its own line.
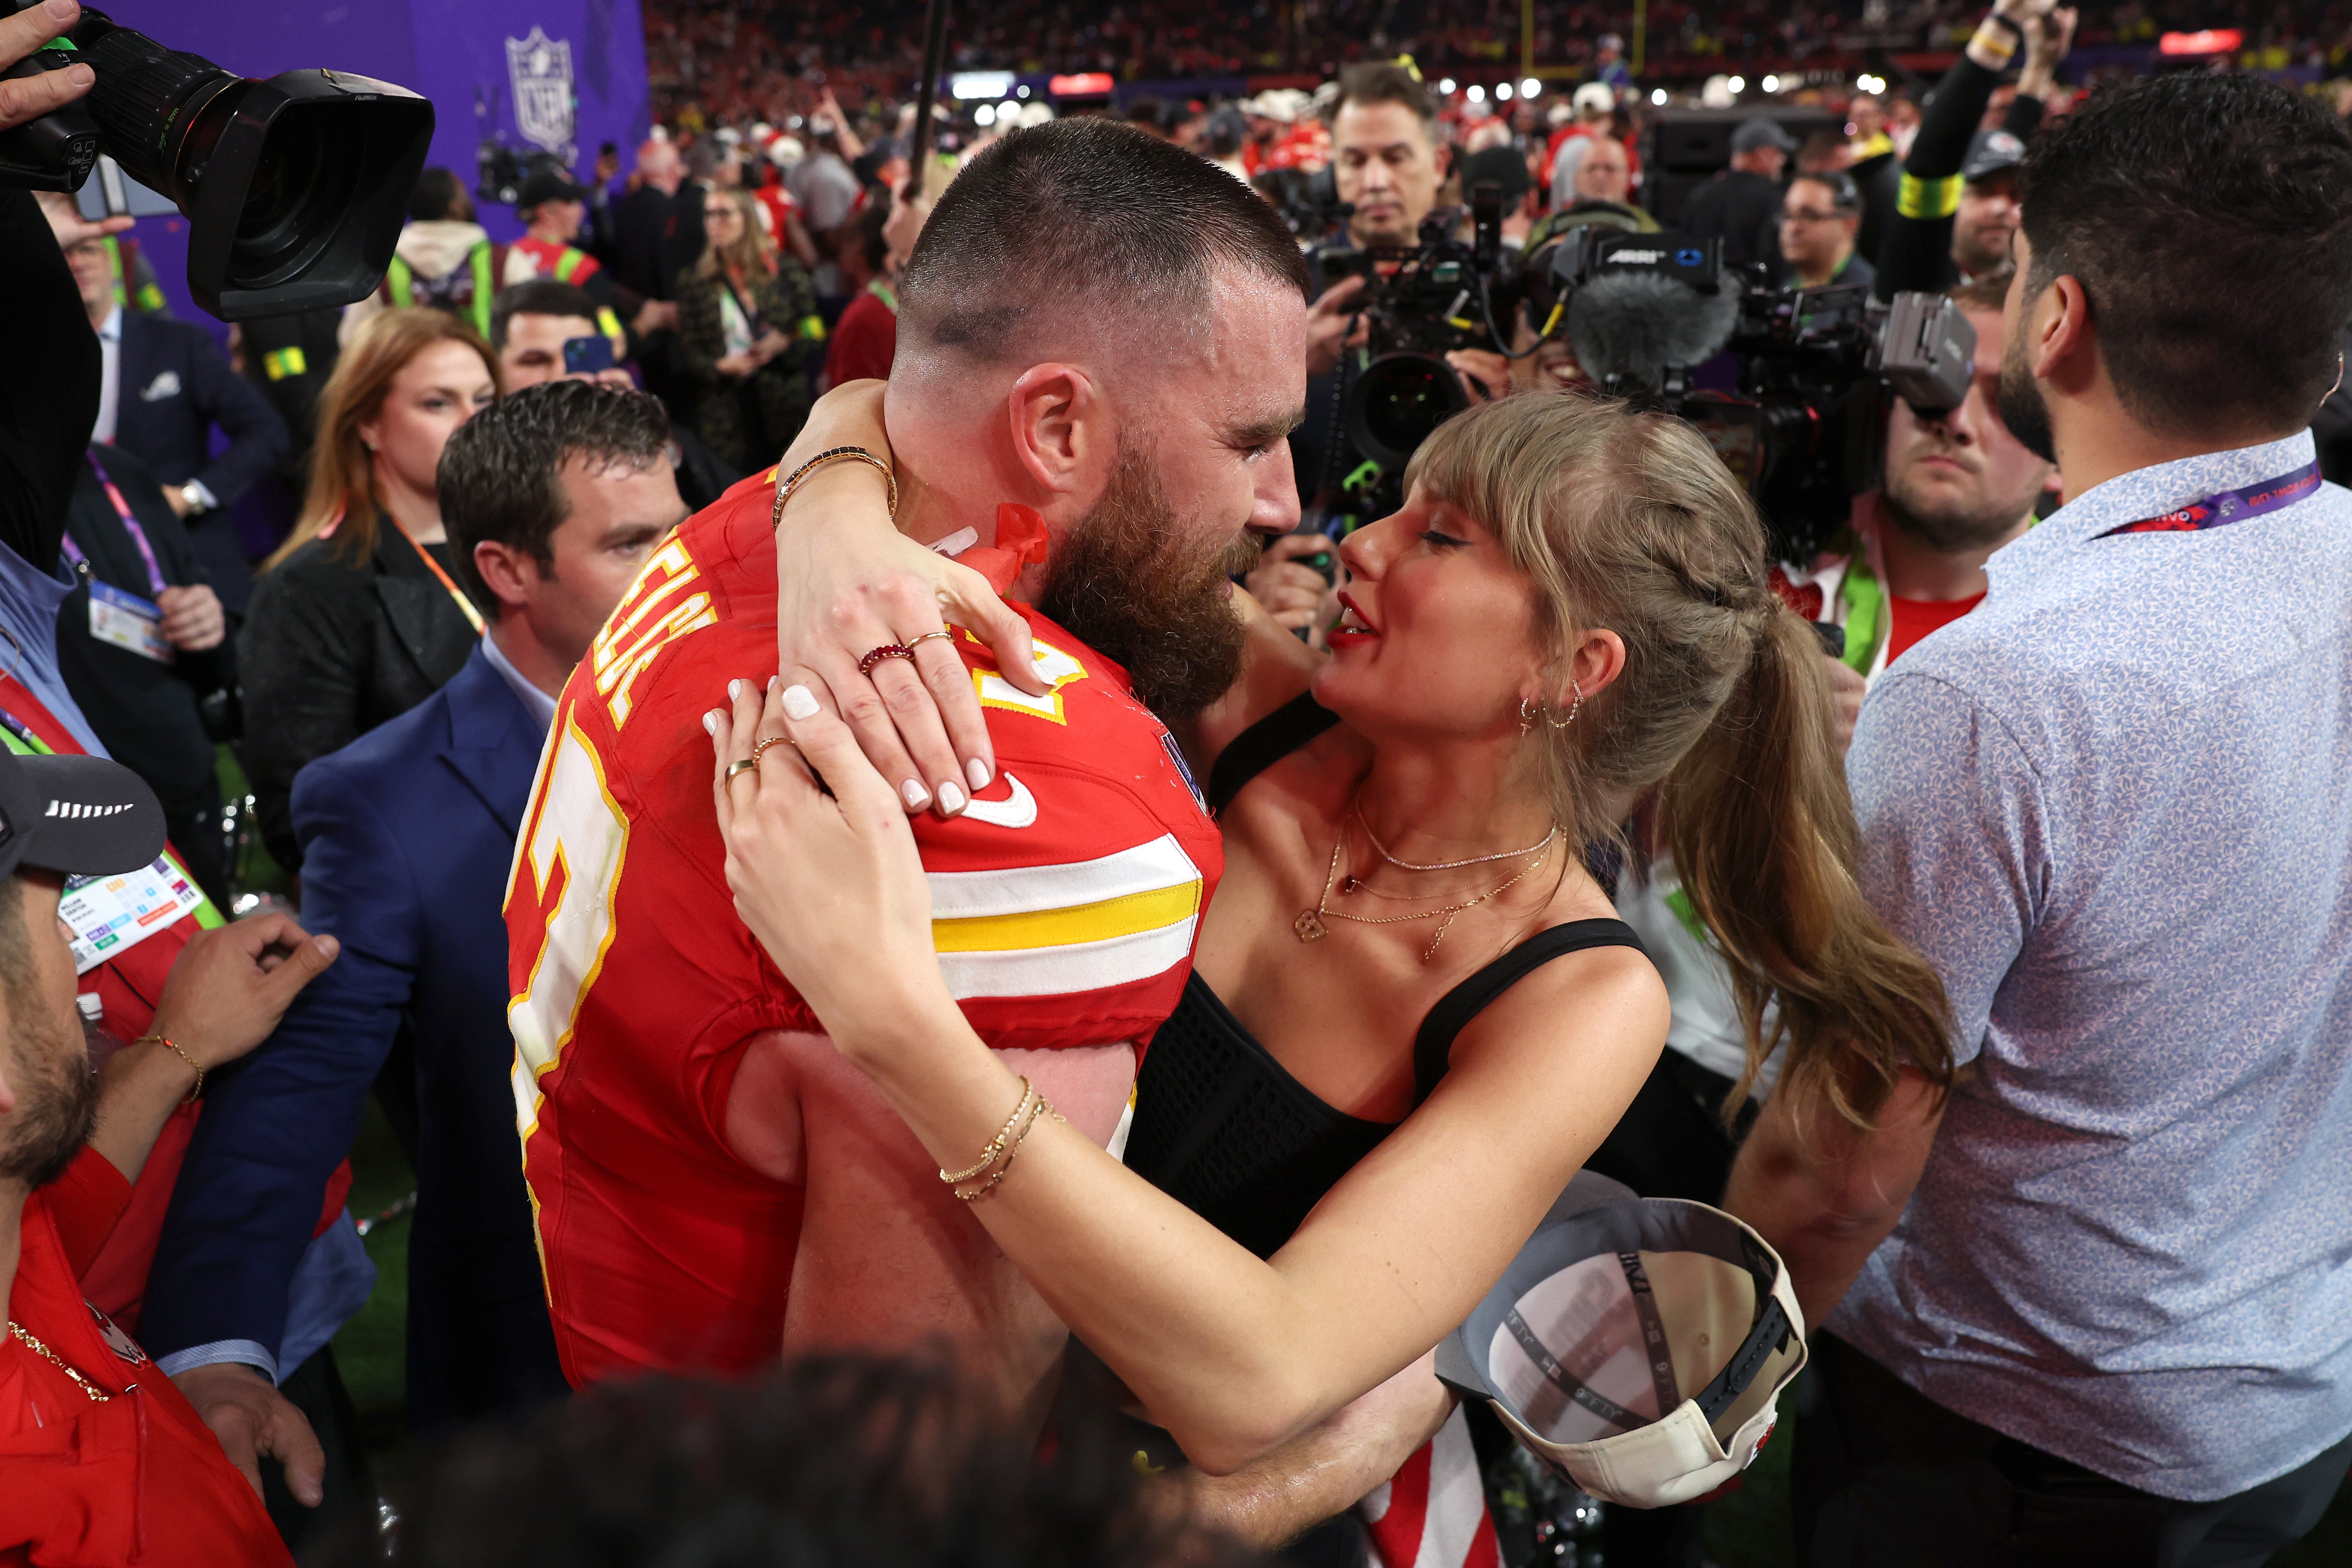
<point x="1355" y="806"/>
<point x="1311" y="927"/>
<point x="57" y="1360"/>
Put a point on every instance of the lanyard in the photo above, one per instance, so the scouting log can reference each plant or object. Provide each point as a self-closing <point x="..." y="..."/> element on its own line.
<point x="473" y="615"/>
<point x="156" y="584"/>
<point x="2230" y="506"/>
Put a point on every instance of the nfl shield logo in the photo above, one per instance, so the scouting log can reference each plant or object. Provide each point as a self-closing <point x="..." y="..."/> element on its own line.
<point x="540" y="68"/>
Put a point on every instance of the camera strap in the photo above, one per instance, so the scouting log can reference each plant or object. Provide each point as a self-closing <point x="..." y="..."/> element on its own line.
<point x="2229" y="505"/>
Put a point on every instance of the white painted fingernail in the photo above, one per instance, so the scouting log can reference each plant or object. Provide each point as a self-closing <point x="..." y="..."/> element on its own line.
<point x="917" y="796"/>
<point x="799" y="704"/>
<point x="772" y="684"/>
<point x="734" y="691"/>
<point x="950" y="799"/>
<point x="711" y="722"/>
<point x="977" y="771"/>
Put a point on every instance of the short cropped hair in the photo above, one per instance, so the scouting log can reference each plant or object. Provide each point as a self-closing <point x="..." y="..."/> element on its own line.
<point x="2208" y="219"/>
<point x="500" y="473"/>
<point x="1844" y="195"/>
<point x="1368" y="82"/>
<point x="537" y="297"/>
<point x="438" y="194"/>
<point x="1086" y="217"/>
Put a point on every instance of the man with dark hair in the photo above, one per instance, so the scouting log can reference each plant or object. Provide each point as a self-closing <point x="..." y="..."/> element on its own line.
<point x="1741" y="204"/>
<point x="1820" y="214"/>
<point x="1100" y="338"/>
<point x="2113" y="1323"/>
<point x="553" y="504"/>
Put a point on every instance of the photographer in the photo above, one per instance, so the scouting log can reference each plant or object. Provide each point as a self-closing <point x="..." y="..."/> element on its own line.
<point x="2091" y="1305"/>
<point x="1957" y="171"/>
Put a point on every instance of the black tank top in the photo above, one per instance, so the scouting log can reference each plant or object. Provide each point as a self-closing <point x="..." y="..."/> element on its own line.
<point x="1220" y="1126"/>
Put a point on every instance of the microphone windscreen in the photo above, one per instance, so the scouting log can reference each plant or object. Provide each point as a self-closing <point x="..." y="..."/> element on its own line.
<point x="1635" y="325"/>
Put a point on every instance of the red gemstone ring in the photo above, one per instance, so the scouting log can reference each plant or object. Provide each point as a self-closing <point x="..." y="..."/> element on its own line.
<point x="887" y="651"/>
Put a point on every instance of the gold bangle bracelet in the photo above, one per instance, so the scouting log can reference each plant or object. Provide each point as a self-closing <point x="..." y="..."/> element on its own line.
<point x="173" y="1046"/>
<point x="831" y="454"/>
<point x="1043" y="1107"/>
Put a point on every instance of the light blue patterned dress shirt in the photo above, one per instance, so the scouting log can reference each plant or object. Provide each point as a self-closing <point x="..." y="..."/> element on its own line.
<point x="2113" y="808"/>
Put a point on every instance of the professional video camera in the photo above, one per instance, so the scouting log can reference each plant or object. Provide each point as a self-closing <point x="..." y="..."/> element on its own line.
<point x="1442" y="295"/>
<point x="295" y="188"/>
<point x="1804" y="428"/>
<point x="503" y="170"/>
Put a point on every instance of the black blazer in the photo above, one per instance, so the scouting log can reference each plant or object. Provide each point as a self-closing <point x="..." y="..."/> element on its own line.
<point x="177" y="385"/>
<point x="334" y="648"/>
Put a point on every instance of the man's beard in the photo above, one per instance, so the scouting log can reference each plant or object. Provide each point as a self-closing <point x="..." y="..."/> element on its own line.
<point x="2022" y="407"/>
<point x="1124" y="579"/>
<point x="1952" y="528"/>
<point x="56" y="1103"/>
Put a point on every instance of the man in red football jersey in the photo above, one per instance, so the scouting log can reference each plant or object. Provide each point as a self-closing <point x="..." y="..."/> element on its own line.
<point x="1100" y="344"/>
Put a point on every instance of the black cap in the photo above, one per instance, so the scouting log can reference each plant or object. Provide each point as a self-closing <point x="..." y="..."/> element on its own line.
<point x="1762" y="131"/>
<point x="1990" y="153"/>
<point x="544" y="186"/>
<point x="76" y="815"/>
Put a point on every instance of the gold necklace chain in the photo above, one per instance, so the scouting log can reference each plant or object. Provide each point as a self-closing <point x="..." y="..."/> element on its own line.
<point x="1309" y="923"/>
<point x="57" y="1360"/>
<point x="1357" y="807"/>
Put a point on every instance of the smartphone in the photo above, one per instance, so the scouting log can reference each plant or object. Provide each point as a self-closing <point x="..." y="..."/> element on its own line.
<point x="587" y="355"/>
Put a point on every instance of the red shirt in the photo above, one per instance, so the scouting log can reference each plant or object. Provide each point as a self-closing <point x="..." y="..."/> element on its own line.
<point x="546" y="255"/>
<point x="1908" y="620"/>
<point x="865" y="339"/>
<point x="1065" y="901"/>
<point x="139" y="1479"/>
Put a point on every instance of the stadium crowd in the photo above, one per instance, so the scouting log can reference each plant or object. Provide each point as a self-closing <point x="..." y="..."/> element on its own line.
<point x="1337" y="820"/>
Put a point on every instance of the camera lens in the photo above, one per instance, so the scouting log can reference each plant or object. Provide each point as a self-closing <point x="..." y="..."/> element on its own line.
<point x="1401" y="399"/>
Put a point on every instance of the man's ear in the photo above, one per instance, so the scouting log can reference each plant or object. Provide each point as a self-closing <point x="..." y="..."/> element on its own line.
<point x="509" y="574"/>
<point x="2064" y="347"/>
<point x="1063" y="431"/>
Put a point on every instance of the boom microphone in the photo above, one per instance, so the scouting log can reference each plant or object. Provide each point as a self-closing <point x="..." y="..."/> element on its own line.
<point x="1634" y="325"/>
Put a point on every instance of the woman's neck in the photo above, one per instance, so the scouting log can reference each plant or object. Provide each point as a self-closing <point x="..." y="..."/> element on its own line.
<point x="418" y="514"/>
<point x="1452" y="801"/>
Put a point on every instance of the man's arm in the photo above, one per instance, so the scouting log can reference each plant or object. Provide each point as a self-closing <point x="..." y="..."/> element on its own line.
<point x="1824" y="1193"/>
<point x="258" y="438"/>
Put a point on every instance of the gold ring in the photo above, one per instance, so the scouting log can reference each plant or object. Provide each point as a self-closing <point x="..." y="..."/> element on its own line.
<point x="741" y="765"/>
<point x="771" y="741"/>
<point x="942" y="632"/>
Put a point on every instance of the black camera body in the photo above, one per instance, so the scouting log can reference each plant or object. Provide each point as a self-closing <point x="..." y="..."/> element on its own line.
<point x="295" y="188"/>
<point x="1441" y="295"/>
<point x="1819" y="369"/>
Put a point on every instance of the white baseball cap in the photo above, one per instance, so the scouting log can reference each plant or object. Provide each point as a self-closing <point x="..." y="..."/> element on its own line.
<point x="1636" y="1345"/>
<point x="1595" y="97"/>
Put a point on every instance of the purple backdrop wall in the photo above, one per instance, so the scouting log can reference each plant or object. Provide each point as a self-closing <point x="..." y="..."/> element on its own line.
<point x="453" y="52"/>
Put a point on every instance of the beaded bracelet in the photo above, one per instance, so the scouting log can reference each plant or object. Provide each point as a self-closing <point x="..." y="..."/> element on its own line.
<point x="1042" y="1108"/>
<point x="173" y="1047"/>
<point x="994" y="1150"/>
<point x="831" y="454"/>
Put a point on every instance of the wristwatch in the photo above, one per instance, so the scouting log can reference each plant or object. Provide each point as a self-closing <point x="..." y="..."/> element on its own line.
<point x="193" y="496"/>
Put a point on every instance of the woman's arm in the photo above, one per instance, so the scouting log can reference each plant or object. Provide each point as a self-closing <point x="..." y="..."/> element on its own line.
<point x="302" y="656"/>
<point x="1233" y="1355"/>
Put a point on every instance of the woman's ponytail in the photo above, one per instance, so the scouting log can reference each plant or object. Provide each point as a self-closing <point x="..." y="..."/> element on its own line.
<point x="1762" y="834"/>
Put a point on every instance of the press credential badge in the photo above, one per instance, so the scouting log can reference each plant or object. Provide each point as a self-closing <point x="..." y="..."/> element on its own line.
<point x="126" y="620"/>
<point x="109" y="915"/>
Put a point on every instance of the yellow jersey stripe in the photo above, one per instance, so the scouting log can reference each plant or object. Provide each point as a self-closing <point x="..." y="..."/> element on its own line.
<point x="1060" y="928"/>
<point x="1071" y="970"/>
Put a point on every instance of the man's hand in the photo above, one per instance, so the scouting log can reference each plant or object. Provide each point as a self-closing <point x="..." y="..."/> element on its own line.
<point x="192" y="621"/>
<point x="30" y="97"/>
<point x="1333" y="326"/>
<point x="607" y="165"/>
<point x="1329" y="1468"/>
<point x="655" y="315"/>
<point x="1485" y="374"/>
<point x="1846" y="689"/>
<point x="176" y="498"/>
<point x="231" y="984"/>
<point x="251" y="1418"/>
<point x="737" y="365"/>
<point x="2048" y="38"/>
<point x="65" y="218"/>
<point x="1290" y="592"/>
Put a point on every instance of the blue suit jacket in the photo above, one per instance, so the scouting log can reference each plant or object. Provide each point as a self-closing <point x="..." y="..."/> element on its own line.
<point x="407" y="834"/>
<point x="176" y="385"/>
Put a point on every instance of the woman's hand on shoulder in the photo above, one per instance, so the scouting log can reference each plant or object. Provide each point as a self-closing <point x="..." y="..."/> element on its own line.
<point x="847" y="582"/>
<point x="822" y="864"/>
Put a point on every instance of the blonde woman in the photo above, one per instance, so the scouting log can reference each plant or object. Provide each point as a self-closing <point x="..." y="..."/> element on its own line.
<point x="359" y="617"/>
<point x="1412" y="1013"/>
<point x="748" y="331"/>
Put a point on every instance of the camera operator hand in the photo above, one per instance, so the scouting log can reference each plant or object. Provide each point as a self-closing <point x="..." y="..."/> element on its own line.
<point x="1333" y="326"/>
<point x="1290" y="592"/>
<point x="71" y="228"/>
<point x="1485" y="374"/>
<point x="30" y="97"/>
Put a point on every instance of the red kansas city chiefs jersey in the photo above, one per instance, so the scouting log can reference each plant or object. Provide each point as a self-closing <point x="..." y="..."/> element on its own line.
<point x="1065" y="900"/>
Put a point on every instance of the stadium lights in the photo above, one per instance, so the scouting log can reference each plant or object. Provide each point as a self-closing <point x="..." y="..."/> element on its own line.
<point x="984" y="115"/>
<point x="1503" y="92"/>
<point x="1772" y="84"/>
<point x="1445" y="87"/>
<point x="1020" y="92"/>
<point x="1658" y="97"/>
<point x="1475" y="93"/>
<point x="1738" y="84"/>
<point x="1529" y="87"/>
<point x="1873" y="84"/>
<point x="968" y="85"/>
